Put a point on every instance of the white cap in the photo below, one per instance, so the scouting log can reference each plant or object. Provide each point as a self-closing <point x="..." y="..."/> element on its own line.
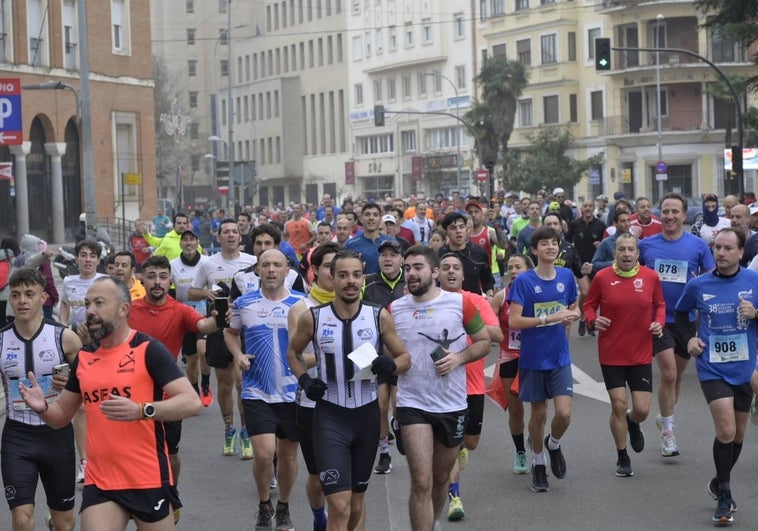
<point x="389" y="217"/>
<point x="753" y="208"/>
<point x="558" y="191"/>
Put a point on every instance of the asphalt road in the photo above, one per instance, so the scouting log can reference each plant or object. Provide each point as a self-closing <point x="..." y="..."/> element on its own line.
<point x="665" y="493"/>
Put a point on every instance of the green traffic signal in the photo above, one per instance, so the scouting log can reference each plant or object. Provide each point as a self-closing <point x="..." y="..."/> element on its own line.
<point x="602" y="53"/>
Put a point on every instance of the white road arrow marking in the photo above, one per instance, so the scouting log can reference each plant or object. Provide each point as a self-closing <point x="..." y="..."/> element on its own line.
<point x="5" y="137"/>
<point x="584" y="384"/>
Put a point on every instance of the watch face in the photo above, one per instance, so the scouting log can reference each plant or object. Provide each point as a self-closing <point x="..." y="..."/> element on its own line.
<point x="149" y="410"/>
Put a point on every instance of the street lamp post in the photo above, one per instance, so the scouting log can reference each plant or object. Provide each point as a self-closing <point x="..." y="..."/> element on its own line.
<point x="659" y="19"/>
<point x="457" y="128"/>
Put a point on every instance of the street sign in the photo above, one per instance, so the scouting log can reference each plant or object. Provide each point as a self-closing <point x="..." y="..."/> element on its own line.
<point x="132" y="179"/>
<point x="482" y="175"/>
<point x="6" y="171"/>
<point x="661" y="171"/>
<point x="11" y="128"/>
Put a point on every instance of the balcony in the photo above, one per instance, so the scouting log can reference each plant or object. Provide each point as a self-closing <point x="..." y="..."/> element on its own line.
<point x="629" y="124"/>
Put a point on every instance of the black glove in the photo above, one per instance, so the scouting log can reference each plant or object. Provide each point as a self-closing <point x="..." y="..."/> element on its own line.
<point x="314" y="387"/>
<point x="383" y="366"/>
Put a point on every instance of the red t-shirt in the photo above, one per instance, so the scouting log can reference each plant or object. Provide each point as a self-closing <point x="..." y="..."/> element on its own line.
<point x="631" y="304"/>
<point x="482" y="239"/>
<point x="167" y="323"/>
<point x="475" y="383"/>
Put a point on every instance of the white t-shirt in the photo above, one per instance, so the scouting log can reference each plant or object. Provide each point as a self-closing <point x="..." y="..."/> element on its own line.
<point x="74" y="292"/>
<point x="183" y="275"/>
<point x="218" y="269"/>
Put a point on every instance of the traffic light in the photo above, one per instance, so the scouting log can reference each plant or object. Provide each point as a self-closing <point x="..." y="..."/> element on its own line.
<point x="737" y="160"/>
<point x="602" y="53"/>
<point x="378" y="115"/>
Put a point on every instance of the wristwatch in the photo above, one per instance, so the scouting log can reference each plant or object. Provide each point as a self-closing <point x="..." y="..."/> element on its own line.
<point x="148" y="411"/>
<point x="543" y="319"/>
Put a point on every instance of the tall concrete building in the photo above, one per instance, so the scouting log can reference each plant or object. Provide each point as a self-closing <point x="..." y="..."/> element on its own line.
<point x="615" y="112"/>
<point x="39" y="42"/>
<point x="414" y="58"/>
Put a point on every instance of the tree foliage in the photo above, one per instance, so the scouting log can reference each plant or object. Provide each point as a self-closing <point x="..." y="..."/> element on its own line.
<point x="545" y="164"/>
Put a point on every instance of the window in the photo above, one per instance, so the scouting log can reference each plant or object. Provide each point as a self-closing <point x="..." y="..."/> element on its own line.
<point x="193" y="99"/>
<point x="391" y="92"/>
<point x="524" y="52"/>
<point x="320" y="51"/>
<point x="377" y="90"/>
<point x="124" y="148"/>
<point x="358" y="93"/>
<point x="222" y="6"/>
<point x="572" y="46"/>
<point x="548" y="49"/>
<point x="408" y="141"/>
<point x="408" y="35"/>
<point x="379" y="41"/>
<point x="246" y="107"/>
<point x="421" y="84"/>
<point x="276" y="104"/>
<point x="550" y="109"/>
<point x="573" y="111"/>
<point x="192" y="68"/>
<point x="460" y="76"/>
<point x="443" y="137"/>
<point x="459" y="29"/>
<point x="195" y="162"/>
<point x="194" y="131"/>
<point x="190" y="6"/>
<point x="120" y="25"/>
<point x="522" y="4"/>
<point x="310" y="54"/>
<point x="253" y="109"/>
<point x="357" y="48"/>
<point x="498" y="8"/>
<point x="498" y="50"/>
<point x="224" y="67"/>
<point x="592" y="34"/>
<point x="373" y="144"/>
<point x="36" y="23"/>
<point x="70" y="34"/>
<point x="367" y="40"/>
<point x="437" y="77"/>
<point x="329" y="50"/>
<point x="525" y="114"/>
<point x="596" y="103"/>
<point x="406" y="87"/>
<point x="426" y="30"/>
<point x="222" y="36"/>
<point x="393" y="38"/>
<point x="191" y="36"/>
<point x="546" y="2"/>
<point x="339" y="47"/>
<point x="247" y="66"/>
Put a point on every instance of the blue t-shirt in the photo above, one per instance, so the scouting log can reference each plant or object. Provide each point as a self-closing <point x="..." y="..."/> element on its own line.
<point x="730" y="341"/>
<point x="264" y="334"/>
<point x="544" y="347"/>
<point x="676" y="262"/>
<point x="368" y="249"/>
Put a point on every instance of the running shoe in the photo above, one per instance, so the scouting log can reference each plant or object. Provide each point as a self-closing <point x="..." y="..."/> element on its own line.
<point x="177" y="515"/>
<point x="754" y="410"/>
<point x="206" y="396"/>
<point x="384" y="465"/>
<point x="723" y="514"/>
<point x="624" y="467"/>
<point x="636" y="437"/>
<point x="80" y="473"/>
<point x="49" y="522"/>
<point x="230" y="442"/>
<point x="669" y="447"/>
<point x="712" y="487"/>
<point x="274" y="483"/>
<point x="455" y="508"/>
<point x="557" y="461"/>
<point x="282" y="518"/>
<point x="264" y="517"/>
<point x="520" y="463"/>
<point x="462" y="459"/>
<point x="246" y="445"/>
<point x="539" y="479"/>
<point x="582" y="327"/>
<point x="398" y="436"/>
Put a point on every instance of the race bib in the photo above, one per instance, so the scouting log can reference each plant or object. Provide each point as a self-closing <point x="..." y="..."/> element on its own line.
<point x="671" y="270"/>
<point x="45" y="382"/>
<point x="514" y="340"/>
<point x="726" y="348"/>
<point x="547" y="309"/>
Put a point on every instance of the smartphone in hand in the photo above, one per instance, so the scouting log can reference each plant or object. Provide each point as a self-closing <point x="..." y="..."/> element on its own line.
<point x="437" y="354"/>
<point x="221" y="305"/>
<point x="61" y="369"/>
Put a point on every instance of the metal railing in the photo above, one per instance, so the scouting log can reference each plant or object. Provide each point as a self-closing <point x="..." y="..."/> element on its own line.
<point x="637" y="124"/>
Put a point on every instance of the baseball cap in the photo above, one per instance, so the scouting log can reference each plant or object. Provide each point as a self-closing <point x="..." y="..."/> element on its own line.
<point x="558" y="191"/>
<point x="753" y="208"/>
<point x="391" y="244"/>
<point x="189" y="233"/>
<point x="388" y="217"/>
<point x="476" y="204"/>
<point x="619" y="195"/>
<point x="602" y="197"/>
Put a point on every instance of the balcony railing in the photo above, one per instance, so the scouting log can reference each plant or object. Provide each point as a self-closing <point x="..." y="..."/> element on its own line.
<point x="639" y="124"/>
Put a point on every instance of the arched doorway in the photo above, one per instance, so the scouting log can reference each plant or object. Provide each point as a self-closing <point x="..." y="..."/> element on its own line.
<point x="38" y="176"/>
<point x="7" y="201"/>
<point x="72" y="181"/>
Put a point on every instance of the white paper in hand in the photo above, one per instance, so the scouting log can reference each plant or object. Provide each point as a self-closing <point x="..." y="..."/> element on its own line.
<point x="363" y="356"/>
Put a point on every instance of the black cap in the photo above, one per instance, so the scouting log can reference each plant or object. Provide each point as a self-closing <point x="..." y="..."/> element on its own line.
<point x="391" y="244"/>
<point x="189" y="232"/>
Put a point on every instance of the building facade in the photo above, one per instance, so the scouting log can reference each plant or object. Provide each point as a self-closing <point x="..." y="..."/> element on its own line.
<point x="40" y="43"/>
<point x="614" y="113"/>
